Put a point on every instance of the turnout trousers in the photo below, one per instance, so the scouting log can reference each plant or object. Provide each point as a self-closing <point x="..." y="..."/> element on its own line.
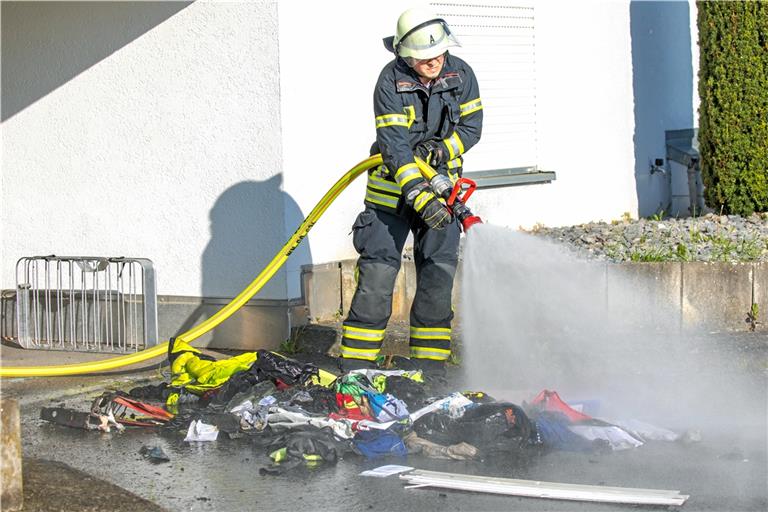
<point x="379" y="237"/>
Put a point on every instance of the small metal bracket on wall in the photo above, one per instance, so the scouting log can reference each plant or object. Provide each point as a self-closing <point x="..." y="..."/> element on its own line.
<point x="686" y="188"/>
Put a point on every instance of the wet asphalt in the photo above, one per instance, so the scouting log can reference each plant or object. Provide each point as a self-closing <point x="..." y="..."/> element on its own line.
<point x="726" y="470"/>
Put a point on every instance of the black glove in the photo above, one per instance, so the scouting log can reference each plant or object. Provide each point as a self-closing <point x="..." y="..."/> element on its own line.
<point x="433" y="212"/>
<point x="431" y="151"/>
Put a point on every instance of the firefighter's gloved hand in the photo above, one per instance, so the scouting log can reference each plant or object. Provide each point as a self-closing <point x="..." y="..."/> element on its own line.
<point x="431" y="151"/>
<point x="431" y="209"/>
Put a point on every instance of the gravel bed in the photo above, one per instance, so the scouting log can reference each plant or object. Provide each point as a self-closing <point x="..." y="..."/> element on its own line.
<point x="711" y="237"/>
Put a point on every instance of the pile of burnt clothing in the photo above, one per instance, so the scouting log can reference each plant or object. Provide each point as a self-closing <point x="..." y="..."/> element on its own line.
<point x="560" y="426"/>
<point x="300" y="414"/>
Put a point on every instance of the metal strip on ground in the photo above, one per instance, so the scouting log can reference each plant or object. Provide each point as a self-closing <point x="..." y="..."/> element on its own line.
<point x="538" y="489"/>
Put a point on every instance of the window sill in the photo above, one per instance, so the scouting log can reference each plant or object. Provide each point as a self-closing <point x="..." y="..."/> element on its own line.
<point x="510" y="177"/>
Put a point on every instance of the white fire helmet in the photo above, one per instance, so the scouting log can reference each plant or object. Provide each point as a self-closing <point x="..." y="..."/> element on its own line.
<point x="422" y="35"/>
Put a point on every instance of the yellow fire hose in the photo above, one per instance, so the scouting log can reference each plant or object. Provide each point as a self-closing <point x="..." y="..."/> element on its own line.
<point x="226" y="311"/>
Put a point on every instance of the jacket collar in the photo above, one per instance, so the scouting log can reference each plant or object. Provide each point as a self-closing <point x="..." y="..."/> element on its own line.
<point x="406" y="79"/>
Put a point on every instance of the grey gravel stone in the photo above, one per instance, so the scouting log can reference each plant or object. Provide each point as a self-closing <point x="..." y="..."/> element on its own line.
<point x="708" y="238"/>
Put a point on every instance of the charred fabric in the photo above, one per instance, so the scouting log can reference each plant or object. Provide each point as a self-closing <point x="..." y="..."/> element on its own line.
<point x="301" y="415"/>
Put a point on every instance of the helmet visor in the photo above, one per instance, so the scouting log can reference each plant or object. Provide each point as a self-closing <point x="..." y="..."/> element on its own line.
<point x="427" y="40"/>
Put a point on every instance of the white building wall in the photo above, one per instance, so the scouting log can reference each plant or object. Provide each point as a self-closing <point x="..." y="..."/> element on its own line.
<point x="331" y="53"/>
<point x="166" y="146"/>
<point x="200" y="144"/>
<point x="584" y="105"/>
<point x="584" y="120"/>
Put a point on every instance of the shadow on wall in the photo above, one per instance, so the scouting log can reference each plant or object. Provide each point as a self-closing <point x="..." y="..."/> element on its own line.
<point x="247" y="231"/>
<point x="663" y="90"/>
<point x="46" y="44"/>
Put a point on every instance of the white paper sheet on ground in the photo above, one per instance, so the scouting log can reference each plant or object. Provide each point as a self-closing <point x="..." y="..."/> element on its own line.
<point x="385" y="471"/>
<point x="647" y="431"/>
<point x="618" y="438"/>
<point x="199" y="431"/>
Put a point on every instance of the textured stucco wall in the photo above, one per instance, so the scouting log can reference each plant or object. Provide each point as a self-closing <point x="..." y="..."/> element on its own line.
<point x="180" y="132"/>
<point x="584" y="120"/>
<point x="331" y="54"/>
<point x="144" y="129"/>
<point x="584" y="114"/>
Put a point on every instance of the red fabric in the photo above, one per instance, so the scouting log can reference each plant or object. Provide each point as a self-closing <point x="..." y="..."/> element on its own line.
<point x="551" y="401"/>
<point x="349" y="409"/>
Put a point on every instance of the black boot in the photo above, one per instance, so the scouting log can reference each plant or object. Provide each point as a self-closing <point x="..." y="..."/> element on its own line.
<point x="435" y="377"/>
<point x="347" y="364"/>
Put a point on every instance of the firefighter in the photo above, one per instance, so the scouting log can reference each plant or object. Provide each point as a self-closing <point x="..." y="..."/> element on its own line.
<point x="426" y="104"/>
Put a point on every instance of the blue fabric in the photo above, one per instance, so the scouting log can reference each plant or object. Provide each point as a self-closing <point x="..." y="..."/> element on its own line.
<point x="373" y="444"/>
<point x="554" y="432"/>
<point x="386" y="407"/>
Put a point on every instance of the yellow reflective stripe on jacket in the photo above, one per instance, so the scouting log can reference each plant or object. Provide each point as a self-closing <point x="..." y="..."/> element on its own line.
<point x="407" y="173"/>
<point x="410" y="113"/>
<point x="470" y="107"/>
<point x="392" y="120"/>
<point x="358" y="333"/>
<point x="381" y="199"/>
<point x="454" y="145"/>
<point x="437" y="354"/>
<point x="377" y="183"/>
<point x="431" y="333"/>
<point x="454" y="164"/>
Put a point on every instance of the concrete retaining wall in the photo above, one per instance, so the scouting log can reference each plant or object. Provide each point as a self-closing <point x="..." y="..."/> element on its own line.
<point x="713" y="296"/>
<point x="693" y="295"/>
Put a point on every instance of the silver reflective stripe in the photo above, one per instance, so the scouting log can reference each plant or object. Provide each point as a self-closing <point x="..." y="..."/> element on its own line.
<point x="381" y="199"/>
<point x="455" y="163"/>
<point x="422" y="353"/>
<point x="407" y="173"/>
<point x="470" y="107"/>
<point x="391" y="120"/>
<point x="454" y="147"/>
<point x="368" y="354"/>
<point x="382" y="184"/>
<point x="359" y="333"/>
<point x="431" y="335"/>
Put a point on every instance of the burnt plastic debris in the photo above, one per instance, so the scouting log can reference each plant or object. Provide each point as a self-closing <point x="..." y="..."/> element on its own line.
<point x="150" y="392"/>
<point x="70" y="418"/>
<point x="493" y="428"/>
<point x="154" y="454"/>
<point x="407" y="390"/>
<point x="308" y="447"/>
<point x="288" y="371"/>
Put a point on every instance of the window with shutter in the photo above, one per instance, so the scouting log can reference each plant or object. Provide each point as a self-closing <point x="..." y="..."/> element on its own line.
<point x="498" y="41"/>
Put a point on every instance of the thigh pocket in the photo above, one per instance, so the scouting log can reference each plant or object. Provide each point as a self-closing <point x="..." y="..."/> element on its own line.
<point x="361" y="229"/>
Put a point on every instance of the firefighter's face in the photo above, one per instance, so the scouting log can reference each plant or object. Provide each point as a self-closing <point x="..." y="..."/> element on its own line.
<point x="429" y="68"/>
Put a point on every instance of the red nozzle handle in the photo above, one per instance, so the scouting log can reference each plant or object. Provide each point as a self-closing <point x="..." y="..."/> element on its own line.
<point x="458" y="188"/>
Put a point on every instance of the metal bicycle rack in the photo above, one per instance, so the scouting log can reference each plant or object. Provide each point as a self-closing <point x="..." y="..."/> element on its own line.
<point x="89" y="304"/>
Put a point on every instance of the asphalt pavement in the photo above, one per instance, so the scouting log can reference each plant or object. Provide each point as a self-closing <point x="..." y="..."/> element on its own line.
<point x="71" y="469"/>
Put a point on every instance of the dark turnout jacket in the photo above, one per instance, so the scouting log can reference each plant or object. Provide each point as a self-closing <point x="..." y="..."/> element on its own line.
<point x="408" y="112"/>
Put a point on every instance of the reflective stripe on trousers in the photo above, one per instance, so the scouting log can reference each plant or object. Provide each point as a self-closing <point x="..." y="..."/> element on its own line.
<point x="379" y="237"/>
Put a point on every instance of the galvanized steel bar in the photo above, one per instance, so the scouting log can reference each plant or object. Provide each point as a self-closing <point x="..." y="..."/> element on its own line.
<point x="86" y="303"/>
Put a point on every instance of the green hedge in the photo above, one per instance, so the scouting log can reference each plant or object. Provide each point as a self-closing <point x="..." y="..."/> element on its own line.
<point x="733" y="117"/>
